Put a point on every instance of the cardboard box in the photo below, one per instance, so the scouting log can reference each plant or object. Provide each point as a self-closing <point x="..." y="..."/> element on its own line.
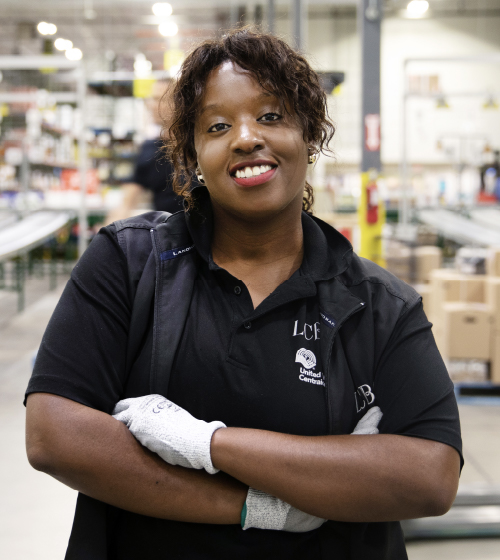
<point x="425" y="291"/>
<point x="493" y="263"/>
<point x="449" y="285"/>
<point x="493" y="298"/>
<point x="467" y="331"/>
<point x="495" y="358"/>
<point x="427" y="258"/>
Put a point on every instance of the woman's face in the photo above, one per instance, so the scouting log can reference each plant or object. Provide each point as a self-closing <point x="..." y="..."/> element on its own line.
<point x="250" y="151"/>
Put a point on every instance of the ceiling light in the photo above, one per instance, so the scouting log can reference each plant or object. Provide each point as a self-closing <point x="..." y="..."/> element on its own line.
<point x="168" y="29"/>
<point x="45" y="28"/>
<point x="74" y="54"/>
<point x="162" y="9"/>
<point x="417" y="8"/>
<point x="142" y="66"/>
<point x="63" y="44"/>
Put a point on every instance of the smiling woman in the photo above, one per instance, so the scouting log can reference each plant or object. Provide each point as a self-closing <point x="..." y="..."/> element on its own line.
<point x="232" y="381"/>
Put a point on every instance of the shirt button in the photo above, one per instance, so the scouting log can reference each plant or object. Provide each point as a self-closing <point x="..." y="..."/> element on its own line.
<point x="247" y="325"/>
<point x="237" y="290"/>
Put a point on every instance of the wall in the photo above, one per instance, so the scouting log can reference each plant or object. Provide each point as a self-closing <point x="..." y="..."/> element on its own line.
<point x="334" y="44"/>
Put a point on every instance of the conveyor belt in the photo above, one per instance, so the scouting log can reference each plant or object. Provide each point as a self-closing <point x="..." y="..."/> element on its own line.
<point x="489" y="217"/>
<point x="475" y="513"/>
<point x="7" y="219"/>
<point x="26" y="234"/>
<point x="460" y="229"/>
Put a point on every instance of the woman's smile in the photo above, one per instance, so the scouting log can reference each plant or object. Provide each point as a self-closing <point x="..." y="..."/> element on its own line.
<point x="253" y="173"/>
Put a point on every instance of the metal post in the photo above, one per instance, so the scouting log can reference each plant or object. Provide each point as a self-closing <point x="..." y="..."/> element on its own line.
<point x="271" y="15"/>
<point x="404" y="206"/>
<point x="20" y="272"/>
<point x="369" y="17"/>
<point x="82" y="165"/>
<point x="299" y="24"/>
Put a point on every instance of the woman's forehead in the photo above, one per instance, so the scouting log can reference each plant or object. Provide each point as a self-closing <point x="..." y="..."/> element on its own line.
<point x="230" y="82"/>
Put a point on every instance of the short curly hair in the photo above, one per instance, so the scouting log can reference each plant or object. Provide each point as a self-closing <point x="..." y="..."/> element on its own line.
<point x="277" y="68"/>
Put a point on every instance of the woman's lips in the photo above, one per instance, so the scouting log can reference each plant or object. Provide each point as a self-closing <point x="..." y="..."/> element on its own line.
<point x="258" y="180"/>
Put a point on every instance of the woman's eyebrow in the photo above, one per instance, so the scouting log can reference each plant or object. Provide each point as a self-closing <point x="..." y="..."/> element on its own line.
<point x="217" y="106"/>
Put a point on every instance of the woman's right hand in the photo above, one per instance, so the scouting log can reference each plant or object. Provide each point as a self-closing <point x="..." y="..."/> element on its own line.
<point x="263" y="511"/>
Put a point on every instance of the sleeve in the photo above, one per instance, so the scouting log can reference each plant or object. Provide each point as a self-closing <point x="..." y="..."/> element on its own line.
<point x="82" y="355"/>
<point x="413" y="388"/>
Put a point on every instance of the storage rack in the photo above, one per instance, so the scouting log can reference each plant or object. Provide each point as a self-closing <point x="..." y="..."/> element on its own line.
<point x="78" y="78"/>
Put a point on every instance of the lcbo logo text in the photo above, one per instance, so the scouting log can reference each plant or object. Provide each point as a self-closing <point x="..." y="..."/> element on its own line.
<point x="363" y="396"/>
<point x="307" y="331"/>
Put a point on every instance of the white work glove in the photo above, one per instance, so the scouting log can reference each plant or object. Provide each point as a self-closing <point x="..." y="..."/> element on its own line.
<point x="263" y="511"/>
<point x="169" y="430"/>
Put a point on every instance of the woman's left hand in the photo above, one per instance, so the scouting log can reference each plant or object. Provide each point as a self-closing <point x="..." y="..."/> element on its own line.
<point x="169" y="430"/>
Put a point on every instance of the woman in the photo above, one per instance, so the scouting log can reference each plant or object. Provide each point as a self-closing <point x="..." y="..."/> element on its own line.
<point x="245" y="312"/>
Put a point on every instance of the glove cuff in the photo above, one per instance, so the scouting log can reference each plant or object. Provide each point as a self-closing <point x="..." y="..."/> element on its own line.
<point x="211" y="428"/>
<point x="264" y="511"/>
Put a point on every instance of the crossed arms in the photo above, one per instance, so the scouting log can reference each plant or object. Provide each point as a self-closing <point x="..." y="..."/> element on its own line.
<point x="345" y="478"/>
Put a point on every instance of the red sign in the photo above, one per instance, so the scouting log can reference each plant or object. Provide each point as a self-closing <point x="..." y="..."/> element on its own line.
<point x="372" y="132"/>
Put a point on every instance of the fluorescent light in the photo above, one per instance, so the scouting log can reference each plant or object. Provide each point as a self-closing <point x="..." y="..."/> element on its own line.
<point x="74" y="54"/>
<point x="168" y="29"/>
<point x="63" y="44"/>
<point x="417" y="8"/>
<point x="162" y="9"/>
<point x="143" y="67"/>
<point x="45" y="28"/>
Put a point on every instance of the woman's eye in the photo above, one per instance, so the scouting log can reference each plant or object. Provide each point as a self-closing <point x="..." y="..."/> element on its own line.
<point x="218" y="127"/>
<point x="270" y="117"/>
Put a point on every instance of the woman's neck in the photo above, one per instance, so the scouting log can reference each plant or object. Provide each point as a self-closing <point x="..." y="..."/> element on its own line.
<point x="261" y="254"/>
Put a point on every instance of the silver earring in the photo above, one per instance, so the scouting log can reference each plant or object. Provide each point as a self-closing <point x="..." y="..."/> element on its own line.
<point x="199" y="176"/>
<point x="312" y="158"/>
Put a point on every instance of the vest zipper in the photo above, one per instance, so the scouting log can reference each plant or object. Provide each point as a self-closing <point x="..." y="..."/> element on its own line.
<point x="359" y="307"/>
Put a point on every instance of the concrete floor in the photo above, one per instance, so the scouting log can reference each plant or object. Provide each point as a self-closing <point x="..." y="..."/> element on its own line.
<point x="36" y="512"/>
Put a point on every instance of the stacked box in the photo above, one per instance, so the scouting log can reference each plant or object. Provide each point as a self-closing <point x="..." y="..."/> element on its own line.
<point x="449" y="285"/>
<point x="428" y="258"/>
<point x="493" y="263"/>
<point x="495" y="358"/>
<point x="425" y="291"/>
<point x="467" y="331"/>
<point x="493" y="299"/>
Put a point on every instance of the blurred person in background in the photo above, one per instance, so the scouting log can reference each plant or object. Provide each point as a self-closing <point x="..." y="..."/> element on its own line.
<point x="153" y="171"/>
<point x="232" y="381"/>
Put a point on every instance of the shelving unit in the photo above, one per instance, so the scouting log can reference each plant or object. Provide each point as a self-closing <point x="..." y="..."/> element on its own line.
<point x="42" y="137"/>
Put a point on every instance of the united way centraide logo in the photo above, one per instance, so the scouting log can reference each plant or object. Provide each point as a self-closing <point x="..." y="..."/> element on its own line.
<point x="307" y="373"/>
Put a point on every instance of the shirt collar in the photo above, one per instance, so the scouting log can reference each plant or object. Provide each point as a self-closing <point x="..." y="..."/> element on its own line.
<point x="327" y="252"/>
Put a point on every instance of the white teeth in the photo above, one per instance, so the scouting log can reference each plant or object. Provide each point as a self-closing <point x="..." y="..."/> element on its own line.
<point x="252" y="171"/>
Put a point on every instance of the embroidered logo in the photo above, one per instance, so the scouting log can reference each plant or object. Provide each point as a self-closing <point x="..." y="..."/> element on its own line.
<point x="306" y="358"/>
<point x="363" y="396"/>
<point x="173" y="253"/>
<point x="307" y="373"/>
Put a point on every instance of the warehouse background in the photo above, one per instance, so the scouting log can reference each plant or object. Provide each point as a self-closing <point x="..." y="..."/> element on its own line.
<point x="76" y="80"/>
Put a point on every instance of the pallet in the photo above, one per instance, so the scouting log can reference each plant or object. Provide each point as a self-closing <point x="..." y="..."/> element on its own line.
<point x="485" y="393"/>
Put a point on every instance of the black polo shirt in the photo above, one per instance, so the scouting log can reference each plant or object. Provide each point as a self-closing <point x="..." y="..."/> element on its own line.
<point x="153" y="171"/>
<point x="253" y="368"/>
<point x="256" y="368"/>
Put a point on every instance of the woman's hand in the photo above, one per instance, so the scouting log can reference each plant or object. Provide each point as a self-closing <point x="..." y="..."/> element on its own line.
<point x="180" y="439"/>
<point x="169" y="430"/>
<point x="264" y="511"/>
<point x="90" y="452"/>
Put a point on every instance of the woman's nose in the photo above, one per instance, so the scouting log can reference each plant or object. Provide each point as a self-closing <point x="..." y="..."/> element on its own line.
<point x="247" y="137"/>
